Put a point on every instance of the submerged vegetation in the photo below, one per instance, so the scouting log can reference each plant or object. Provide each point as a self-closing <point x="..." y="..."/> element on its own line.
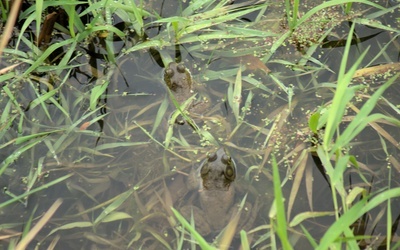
<point x="304" y="96"/>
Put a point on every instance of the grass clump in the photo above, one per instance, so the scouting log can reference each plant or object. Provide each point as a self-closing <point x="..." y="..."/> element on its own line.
<point x="298" y="99"/>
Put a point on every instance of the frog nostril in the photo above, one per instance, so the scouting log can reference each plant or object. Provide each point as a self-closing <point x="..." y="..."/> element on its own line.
<point x="212" y="157"/>
<point x="181" y="68"/>
<point x="226" y="159"/>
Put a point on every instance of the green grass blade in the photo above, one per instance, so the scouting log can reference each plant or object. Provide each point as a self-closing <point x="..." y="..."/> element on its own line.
<point x="42" y="187"/>
<point x="338" y="227"/>
<point x="80" y="224"/>
<point x="281" y="223"/>
<point x="334" y="3"/>
<point x="202" y="242"/>
<point x="359" y="209"/>
<point x="160" y="114"/>
<point x="17" y="153"/>
<point x="113" y="206"/>
<point x="342" y="94"/>
<point x="39" y="61"/>
<point x="38" y="11"/>
<point x="23" y="139"/>
<point x="97" y="92"/>
<point x="235" y="95"/>
<point x="361" y="120"/>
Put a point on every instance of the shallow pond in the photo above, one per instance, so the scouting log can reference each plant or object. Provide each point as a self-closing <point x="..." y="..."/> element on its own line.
<point x="93" y="122"/>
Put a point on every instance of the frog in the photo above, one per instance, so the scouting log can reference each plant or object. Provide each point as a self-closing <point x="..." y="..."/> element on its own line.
<point x="213" y="183"/>
<point x="181" y="84"/>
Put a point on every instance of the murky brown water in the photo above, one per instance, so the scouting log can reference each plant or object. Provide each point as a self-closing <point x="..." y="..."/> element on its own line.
<point x="124" y="177"/>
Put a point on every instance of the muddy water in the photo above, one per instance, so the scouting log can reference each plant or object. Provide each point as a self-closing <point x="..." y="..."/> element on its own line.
<point x="134" y="162"/>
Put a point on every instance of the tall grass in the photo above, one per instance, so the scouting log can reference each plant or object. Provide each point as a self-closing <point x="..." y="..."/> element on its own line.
<point x="45" y="120"/>
<point x="336" y="160"/>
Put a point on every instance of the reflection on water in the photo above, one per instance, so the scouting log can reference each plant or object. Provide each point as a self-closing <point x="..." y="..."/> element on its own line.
<point x="123" y="164"/>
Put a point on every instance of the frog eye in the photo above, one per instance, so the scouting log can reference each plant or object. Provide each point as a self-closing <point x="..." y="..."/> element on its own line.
<point x="169" y="72"/>
<point x="226" y="159"/>
<point x="181" y="68"/>
<point x="212" y="157"/>
<point x="230" y="172"/>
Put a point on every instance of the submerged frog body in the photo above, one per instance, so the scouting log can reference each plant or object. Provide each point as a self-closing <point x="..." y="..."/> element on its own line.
<point x="214" y="182"/>
<point x="179" y="80"/>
